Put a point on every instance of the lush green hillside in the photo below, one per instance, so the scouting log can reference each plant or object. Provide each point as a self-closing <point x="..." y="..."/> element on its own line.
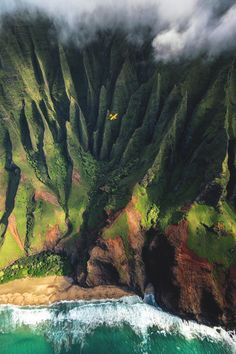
<point x="89" y="136"/>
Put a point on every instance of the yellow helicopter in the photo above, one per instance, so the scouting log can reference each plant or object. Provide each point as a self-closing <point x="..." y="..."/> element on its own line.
<point x="113" y="116"/>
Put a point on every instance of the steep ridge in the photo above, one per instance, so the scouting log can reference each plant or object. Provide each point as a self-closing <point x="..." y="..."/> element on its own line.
<point x="123" y="166"/>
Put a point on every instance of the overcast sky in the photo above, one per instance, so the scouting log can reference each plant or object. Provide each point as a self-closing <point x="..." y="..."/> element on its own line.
<point x="180" y="27"/>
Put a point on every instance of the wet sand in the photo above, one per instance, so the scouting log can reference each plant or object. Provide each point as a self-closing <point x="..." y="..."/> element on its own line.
<point x="48" y="290"/>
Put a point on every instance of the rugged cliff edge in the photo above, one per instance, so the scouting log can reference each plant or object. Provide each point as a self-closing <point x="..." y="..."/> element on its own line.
<point x="118" y="170"/>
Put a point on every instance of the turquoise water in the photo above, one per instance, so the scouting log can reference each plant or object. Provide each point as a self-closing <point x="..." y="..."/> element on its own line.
<point x="125" y="326"/>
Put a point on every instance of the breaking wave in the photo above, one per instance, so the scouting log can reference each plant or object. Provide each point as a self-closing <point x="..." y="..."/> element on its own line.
<point x="67" y="323"/>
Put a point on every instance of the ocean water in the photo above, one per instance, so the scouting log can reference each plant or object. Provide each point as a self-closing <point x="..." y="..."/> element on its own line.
<point x="125" y="326"/>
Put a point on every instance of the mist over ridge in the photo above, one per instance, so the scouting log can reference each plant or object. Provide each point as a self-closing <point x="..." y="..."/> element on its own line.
<point x="179" y="28"/>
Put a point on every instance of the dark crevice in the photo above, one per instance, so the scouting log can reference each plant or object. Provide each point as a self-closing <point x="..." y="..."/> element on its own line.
<point x="31" y="205"/>
<point x="232" y="169"/>
<point x="24" y="130"/>
<point x="159" y="260"/>
<point x="36" y="66"/>
<point x="14" y="174"/>
<point x="110" y="275"/>
<point x="209" y="307"/>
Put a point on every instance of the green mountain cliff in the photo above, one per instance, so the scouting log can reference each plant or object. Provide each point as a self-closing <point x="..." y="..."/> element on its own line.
<point x="116" y="169"/>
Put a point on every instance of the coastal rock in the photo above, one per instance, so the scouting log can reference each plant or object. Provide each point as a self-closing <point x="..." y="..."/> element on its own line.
<point x="187" y="284"/>
<point x="111" y="262"/>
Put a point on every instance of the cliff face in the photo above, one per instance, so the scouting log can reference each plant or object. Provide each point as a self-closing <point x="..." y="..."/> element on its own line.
<point x="124" y="166"/>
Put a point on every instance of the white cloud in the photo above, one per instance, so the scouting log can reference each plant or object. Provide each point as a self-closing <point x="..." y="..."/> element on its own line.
<point x="210" y="28"/>
<point x="180" y="27"/>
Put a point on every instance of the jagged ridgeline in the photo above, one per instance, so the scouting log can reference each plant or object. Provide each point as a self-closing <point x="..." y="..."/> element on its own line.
<point x="90" y="134"/>
<point x="72" y="122"/>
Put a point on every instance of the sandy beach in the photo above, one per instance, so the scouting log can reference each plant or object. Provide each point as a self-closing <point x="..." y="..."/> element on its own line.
<point x="48" y="290"/>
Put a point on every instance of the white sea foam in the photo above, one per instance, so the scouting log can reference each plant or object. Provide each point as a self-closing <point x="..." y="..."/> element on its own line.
<point x="69" y="322"/>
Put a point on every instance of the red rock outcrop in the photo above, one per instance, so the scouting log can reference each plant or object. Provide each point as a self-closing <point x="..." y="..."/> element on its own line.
<point x="52" y="237"/>
<point x="46" y="197"/>
<point x="12" y="225"/>
<point x="109" y="262"/>
<point x="190" y="285"/>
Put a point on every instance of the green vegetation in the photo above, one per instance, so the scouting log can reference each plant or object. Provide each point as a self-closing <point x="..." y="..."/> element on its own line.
<point x="149" y="211"/>
<point x="212" y="233"/>
<point x="119" y="228"/>
<point x="39" y="265"/>
<point x="77" y="203"/>
<point x="170" y="216"/>
<point x="10" y="251"/>
<point x="51" y="215"/>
